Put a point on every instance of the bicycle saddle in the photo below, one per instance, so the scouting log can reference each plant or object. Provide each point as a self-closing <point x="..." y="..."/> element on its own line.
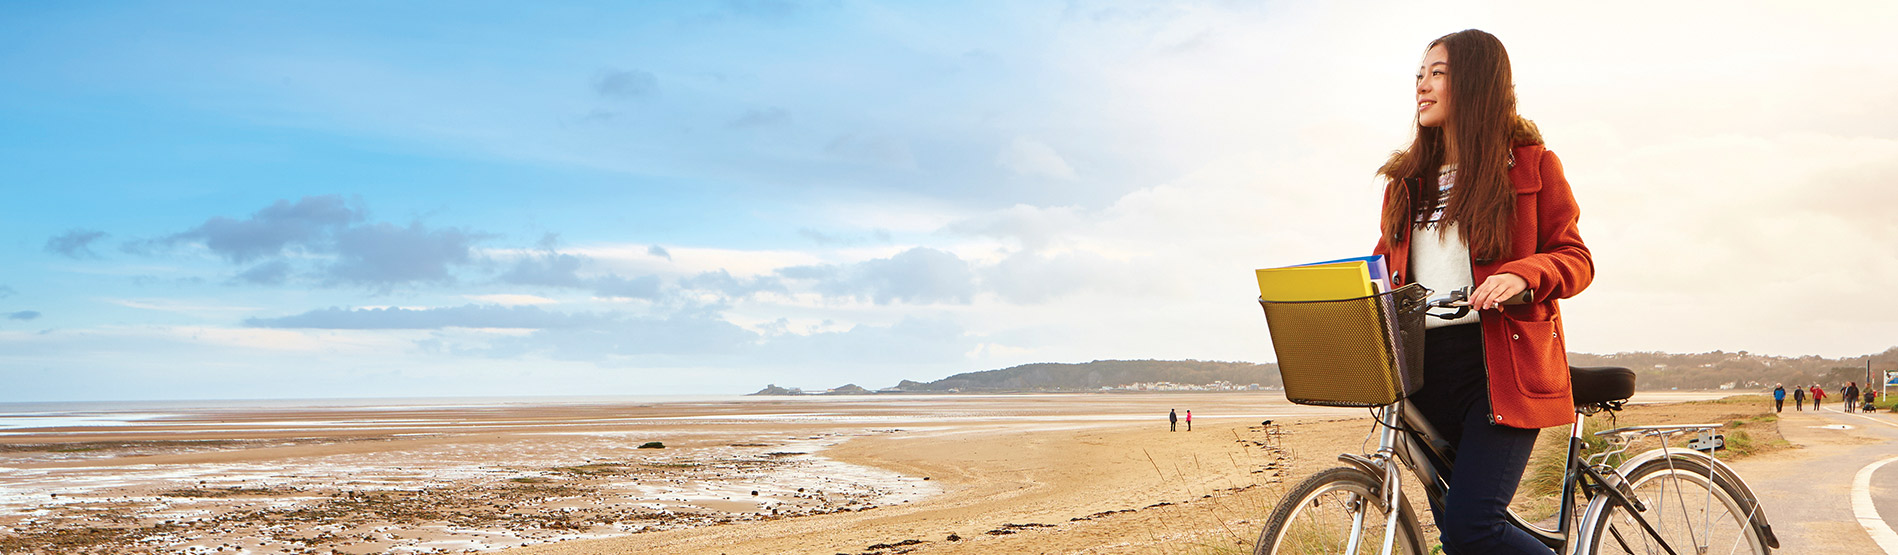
<point x="1600" y="384"/>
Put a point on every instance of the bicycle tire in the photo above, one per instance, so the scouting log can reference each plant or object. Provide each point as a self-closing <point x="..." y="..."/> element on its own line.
<point x="1314" y="517"/>
<point x="1693" y="508"/>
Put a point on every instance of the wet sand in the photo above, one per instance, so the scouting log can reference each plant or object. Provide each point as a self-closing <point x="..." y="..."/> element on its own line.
<point x="1091" y="473"/>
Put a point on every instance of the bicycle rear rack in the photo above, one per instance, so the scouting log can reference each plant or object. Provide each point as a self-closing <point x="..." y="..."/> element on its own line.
<point x="1621" y="439"/>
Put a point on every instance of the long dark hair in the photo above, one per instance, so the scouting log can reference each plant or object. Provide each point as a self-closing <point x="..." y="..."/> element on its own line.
<point x="1483" y="115"/>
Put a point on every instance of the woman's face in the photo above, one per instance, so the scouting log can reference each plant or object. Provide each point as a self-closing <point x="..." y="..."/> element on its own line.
<point x="1433" y="88"/>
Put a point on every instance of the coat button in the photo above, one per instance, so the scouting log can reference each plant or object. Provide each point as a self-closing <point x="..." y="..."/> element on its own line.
<point x="1515" y="336"/>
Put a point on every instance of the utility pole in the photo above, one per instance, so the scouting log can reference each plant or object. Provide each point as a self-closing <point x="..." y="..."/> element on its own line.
<point x="1868" y="376"/>
<point x="1884" y="384"/>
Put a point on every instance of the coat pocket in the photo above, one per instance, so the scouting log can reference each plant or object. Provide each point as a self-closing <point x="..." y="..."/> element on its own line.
<point x="1540" y="359"/>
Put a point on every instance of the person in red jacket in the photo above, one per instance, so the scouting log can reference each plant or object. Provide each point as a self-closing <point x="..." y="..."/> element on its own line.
<point x="1817" y="394"/>
<point x="1476" y="200"/>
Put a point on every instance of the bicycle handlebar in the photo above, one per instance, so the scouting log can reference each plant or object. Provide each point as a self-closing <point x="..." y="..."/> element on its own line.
<point x="1460" y="300"/>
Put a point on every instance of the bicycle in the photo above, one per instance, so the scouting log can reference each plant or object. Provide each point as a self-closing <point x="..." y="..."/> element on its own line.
<point x="1671" y="500"/>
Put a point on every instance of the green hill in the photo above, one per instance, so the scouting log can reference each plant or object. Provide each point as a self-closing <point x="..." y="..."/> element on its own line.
<point x="1741" y="370"/>
<point x="1092" y="376"/>
<point x="1655" y="370"/>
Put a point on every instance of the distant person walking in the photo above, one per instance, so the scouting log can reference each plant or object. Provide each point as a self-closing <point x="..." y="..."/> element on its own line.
<point x="1173" y="420"/>
<point x="1818" y="394"/>
<point x="1851" y="395"/>
<point x="1779" y="398"/>
<point x="1799" y="399"/>
<point x="1189" y="420"/>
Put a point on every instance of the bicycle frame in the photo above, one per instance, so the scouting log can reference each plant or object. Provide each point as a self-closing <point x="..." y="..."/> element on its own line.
<point x="1404" y="436"/>
<point x="1408" y="437"/>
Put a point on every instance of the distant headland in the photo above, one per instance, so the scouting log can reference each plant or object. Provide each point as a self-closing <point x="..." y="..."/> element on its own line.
<point x="1656" y="370"/>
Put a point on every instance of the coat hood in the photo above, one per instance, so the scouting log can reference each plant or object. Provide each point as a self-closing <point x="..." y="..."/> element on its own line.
<point x="1524" y="133"/>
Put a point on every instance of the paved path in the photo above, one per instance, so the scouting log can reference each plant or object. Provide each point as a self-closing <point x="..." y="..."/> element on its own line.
<point x="1807" y="491"/>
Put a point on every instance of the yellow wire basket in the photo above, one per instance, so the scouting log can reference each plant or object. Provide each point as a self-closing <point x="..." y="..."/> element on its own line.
<point x="1359" y="352"/>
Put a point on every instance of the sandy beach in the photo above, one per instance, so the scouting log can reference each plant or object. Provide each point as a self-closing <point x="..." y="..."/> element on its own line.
<point x="1085" y="473"/>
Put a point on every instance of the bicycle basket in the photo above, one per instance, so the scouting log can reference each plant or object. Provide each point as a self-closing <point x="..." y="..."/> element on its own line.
<point x="1360" y="352"/>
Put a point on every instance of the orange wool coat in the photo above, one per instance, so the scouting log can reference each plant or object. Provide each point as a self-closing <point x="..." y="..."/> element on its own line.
<point x="1523" y="347"/>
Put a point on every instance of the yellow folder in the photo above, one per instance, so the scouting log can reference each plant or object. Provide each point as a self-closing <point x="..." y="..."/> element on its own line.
<point x="1332" y="353"/>
<point x="1345" y="280"/>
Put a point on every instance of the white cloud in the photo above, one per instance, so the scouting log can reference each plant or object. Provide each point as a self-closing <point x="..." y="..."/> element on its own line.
<point x="1032" y="158"/>
<point x="170" y="340"/>
<point x="634" y="259"/>
<point x="512" y="299"/>
<point x="182" y="306"/>
<point x="1033" y="227"/>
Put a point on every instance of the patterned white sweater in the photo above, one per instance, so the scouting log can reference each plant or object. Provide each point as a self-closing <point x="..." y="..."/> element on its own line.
<point x="1439" y="257"/>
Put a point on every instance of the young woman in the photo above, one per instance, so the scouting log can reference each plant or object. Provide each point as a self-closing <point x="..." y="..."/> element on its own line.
<point x="1477" y="201"/>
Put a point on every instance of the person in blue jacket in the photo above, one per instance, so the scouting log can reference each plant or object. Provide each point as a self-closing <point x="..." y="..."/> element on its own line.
<point x="1779" y="397"/>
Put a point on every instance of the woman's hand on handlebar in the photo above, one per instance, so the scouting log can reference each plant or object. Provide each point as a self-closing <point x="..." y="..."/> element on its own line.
<point x="1496" y="289"/>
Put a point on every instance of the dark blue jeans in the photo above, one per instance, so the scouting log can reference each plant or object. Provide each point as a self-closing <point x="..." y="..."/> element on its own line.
<point x="1473" y="518"/>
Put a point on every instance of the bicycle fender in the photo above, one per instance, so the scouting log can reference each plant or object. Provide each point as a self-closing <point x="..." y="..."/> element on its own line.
<point x="1584" y="541"/>
<point x="1721" y="470"/>
<point x="1759" y="511"/>
<point x="1363" y="463"/>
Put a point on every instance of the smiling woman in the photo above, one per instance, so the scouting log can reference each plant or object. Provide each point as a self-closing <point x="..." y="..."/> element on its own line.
<point x="1478" y="203"/>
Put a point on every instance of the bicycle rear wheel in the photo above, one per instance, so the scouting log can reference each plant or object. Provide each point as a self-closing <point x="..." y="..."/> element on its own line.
<point x="1333" y="510"/>
<point x="1692" y="509"/>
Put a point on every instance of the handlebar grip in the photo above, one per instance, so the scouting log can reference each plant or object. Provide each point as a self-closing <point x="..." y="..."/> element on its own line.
<point x="1521" y="298"/>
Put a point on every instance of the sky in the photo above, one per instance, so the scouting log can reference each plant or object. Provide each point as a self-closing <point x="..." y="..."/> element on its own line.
<point x="369" y="199"/>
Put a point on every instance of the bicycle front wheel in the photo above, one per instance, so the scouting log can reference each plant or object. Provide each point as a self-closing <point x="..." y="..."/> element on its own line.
<point x="1340" y="511"/>
<point x="1690" y="509"/>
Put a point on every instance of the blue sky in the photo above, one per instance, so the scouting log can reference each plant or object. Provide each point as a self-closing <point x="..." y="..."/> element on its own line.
<point x="365" y="199"/>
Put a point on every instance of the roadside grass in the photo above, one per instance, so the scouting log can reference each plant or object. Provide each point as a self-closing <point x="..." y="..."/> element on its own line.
<point x="1230" y="524"/>
<point x="1227" y="520"/>
<point x="1753" y="433"/>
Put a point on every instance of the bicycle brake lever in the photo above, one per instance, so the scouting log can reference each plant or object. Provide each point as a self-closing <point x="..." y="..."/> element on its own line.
<point x="1458" y="299"/>
<point x="1461" y="311"/>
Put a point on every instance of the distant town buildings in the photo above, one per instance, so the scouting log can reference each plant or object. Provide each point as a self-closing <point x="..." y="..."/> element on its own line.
<point x="1221" y="385"/>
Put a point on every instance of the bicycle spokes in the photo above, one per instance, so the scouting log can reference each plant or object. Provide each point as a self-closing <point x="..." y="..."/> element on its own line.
<point x="1688" y="512"/>
<point x="1336" y="512"/>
